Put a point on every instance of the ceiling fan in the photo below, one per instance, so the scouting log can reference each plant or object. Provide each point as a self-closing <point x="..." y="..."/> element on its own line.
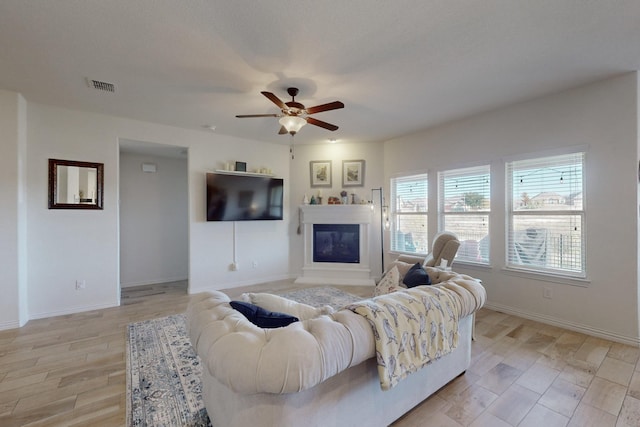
<point x="294" y="115"/>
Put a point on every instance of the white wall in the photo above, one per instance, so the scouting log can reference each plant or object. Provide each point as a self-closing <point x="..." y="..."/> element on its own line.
<point x="213" y="244"/>
<point x="13" y="303"/>
<point x="371" y="153"/>
<point x="63" y="246"/>
<point x="66" y="245"/>
<point x="154" y="220"/>
<point x="603" y="118"/>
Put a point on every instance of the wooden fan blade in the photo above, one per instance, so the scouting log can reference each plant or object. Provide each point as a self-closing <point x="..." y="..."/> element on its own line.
<point x="282" y="131"/>
<point x="244" y="116"/>
<point x="325" y="107"/>
<point x="320" y="123"/>
<point x="274" y="99"/>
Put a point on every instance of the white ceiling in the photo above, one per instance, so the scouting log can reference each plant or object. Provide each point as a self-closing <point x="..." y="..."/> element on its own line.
<point x="399" y="66"/>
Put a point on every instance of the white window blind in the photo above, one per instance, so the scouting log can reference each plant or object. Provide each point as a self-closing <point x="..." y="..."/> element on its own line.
<point x="409" y="210"/>
<point x="546" y="215"/>
<point x="464" y="208"/>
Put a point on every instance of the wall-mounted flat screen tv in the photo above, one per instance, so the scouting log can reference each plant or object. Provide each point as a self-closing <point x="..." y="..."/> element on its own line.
<point x="244" y="197"/>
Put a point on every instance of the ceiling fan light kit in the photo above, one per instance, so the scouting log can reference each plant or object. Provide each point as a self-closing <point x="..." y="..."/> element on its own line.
<point x="292" y="123"/>
<point x="294" y="115"/>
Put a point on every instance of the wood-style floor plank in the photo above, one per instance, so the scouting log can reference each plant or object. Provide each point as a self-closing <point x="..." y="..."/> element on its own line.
<point x="70" y="370"/>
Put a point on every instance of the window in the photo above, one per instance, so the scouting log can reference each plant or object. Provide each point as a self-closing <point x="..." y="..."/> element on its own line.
<point x="546" y="215"/>
<point x="464" y="207"/>
<point x="409" y="201"/>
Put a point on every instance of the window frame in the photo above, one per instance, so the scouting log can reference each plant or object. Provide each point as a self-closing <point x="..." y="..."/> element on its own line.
<point x="461" y="173"/>
<point x="577" y="275"/>
<point x="395" y="215"/>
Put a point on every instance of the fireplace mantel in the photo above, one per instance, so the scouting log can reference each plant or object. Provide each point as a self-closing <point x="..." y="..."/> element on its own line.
<point x="336" y="214"/>
<point x="330" y="273"/>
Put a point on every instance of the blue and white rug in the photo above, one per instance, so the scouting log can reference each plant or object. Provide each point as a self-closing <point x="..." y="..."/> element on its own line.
<point x="164" y="373"/>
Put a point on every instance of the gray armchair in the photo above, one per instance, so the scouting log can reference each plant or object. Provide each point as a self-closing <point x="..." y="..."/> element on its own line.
<point x="445" y="246"/>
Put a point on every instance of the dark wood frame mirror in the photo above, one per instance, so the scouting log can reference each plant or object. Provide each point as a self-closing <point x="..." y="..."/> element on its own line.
<point x="75" y="185"/>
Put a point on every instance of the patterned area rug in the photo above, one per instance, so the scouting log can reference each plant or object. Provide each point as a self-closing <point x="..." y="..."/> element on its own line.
<point x="164" y="372"/>
<point x="318" y="297"/>
<point x="163" y="375"/>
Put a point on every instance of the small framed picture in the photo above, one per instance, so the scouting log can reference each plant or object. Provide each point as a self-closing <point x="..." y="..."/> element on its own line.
<point x="320" y="171"/>
<point x="241" y="167"/>
<point x="353" y="173"/>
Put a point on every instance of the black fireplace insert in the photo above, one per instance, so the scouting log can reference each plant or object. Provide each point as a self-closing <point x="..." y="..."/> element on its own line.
<point x="338" y="243"/>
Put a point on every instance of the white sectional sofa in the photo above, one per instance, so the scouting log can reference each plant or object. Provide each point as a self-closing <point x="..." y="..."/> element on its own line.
<point x="316" y="372"/>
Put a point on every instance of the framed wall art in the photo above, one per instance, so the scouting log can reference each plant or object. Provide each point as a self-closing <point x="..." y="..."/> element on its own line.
<point x="353" y="173"/>
<point x="320" y="171"/>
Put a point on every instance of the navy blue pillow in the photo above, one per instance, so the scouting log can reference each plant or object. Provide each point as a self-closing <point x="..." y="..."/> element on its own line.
<point x="416" y="276"/>
<point x="261" y="317"/>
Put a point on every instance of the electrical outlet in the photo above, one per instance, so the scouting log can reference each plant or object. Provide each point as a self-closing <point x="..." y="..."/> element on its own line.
<point x="547" y="293"/>
<point x="81" y="284"/>
<point x="234" y="266"/>
<point x="254" y="264"/>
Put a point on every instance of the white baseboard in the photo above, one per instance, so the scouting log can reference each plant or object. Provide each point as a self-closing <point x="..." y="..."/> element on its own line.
<point x="153" y="282"/>
<point x="72" y="310"/>
<point x="549" y="320"/>
<point x="12" y="324"/>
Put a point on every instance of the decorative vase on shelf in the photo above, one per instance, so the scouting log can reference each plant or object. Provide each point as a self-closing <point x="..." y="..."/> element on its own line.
<point x="305" y="200"/>
<point x="313" y="200"/>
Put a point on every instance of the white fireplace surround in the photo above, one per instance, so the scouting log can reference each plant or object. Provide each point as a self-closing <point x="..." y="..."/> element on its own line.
<point x="331" y="273"/>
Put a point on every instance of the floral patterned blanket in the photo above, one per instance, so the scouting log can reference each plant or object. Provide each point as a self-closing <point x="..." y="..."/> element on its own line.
<point x="411" y="327"/>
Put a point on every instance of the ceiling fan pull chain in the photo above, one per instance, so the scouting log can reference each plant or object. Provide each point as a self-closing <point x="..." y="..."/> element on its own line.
<point x="291" y="149"/>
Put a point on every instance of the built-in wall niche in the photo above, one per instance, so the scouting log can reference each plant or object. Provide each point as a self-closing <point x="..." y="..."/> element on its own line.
<point x="75" y="184"/>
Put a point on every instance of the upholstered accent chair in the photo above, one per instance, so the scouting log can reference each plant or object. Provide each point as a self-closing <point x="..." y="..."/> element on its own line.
<point x="445" y="246"/>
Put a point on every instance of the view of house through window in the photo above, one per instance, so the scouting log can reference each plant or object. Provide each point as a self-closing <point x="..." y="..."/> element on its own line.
<point x="409" y="201"/>
<point x="546" y="214"/>
<point x="464" y="207"/>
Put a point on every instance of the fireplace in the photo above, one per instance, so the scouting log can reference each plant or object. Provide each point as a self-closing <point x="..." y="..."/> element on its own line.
<point x="337" y="241"/>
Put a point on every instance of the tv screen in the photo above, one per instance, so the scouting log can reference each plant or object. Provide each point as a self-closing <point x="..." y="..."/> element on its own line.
<point x="243" y="197"/>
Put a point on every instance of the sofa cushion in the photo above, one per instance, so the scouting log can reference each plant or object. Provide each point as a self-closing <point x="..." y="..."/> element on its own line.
<point x="283" y="305"/>
<point x="403" y="268"/>
<point x="416" y="276"/>
<point x="390" y="282"/>
<point x="261" y="317"/>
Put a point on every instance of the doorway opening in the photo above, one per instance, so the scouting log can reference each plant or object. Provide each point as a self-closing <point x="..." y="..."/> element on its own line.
<point x="153" y="218"/>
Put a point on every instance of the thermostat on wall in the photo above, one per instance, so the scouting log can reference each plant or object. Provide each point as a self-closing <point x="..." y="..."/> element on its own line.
<point x="148" y="167"/>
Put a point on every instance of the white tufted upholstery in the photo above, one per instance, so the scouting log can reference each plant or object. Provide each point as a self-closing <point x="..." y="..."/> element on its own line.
<point x="279" y="304"/>
<point x="249" y="359"/>
<point x="317" y="372"/>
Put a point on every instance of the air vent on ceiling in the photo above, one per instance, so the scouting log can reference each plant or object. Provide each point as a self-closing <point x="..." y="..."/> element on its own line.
<point x="100" y="85"/>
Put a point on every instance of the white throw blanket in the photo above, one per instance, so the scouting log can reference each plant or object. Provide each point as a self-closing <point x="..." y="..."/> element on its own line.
<point x="411" y="327"/>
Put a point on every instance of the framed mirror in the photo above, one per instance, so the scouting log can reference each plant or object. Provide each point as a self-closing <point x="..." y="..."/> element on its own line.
<point x="75" y="185"/>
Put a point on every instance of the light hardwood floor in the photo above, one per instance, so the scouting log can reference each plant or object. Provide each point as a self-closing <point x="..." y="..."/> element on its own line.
<point x="70" y="370"/>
